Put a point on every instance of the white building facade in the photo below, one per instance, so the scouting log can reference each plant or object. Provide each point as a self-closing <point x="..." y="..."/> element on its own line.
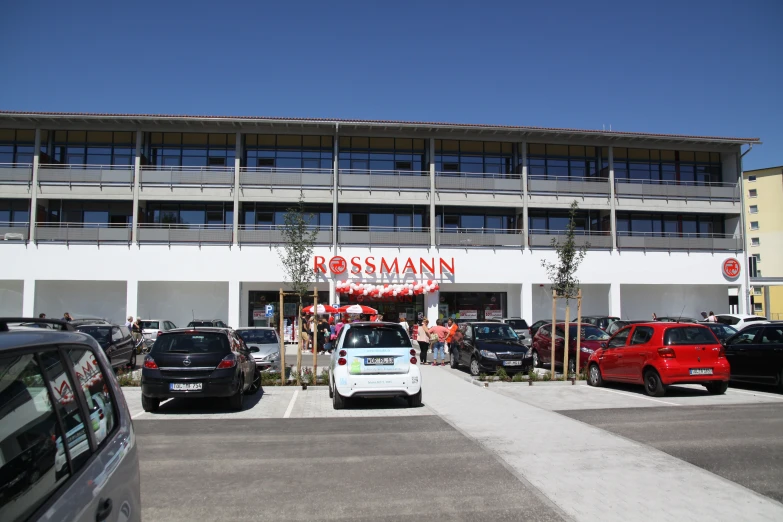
<point x="178" y="217"/>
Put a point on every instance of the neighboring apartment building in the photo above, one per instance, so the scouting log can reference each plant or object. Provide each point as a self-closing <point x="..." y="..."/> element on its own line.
<point x="179" y="216"/>
<point x="764" y="224"/>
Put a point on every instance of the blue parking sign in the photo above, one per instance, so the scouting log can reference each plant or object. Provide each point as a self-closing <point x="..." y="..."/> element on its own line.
<point x="270" y="310"/>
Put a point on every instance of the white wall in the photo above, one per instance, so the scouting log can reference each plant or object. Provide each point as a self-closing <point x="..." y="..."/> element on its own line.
<point x="181" y="301"/>
<point x="105" y="299"/>
<point x="595" y="301"/>
<point x="11" y="298"/>
<point x="641" y="301"/>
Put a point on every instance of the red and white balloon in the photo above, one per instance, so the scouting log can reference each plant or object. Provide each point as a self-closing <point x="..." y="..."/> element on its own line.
<point x="386" y="290"/>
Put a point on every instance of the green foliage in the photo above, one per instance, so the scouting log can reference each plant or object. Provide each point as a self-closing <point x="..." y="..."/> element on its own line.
<point x="482" y="376"/>
<point x="532" y="375"/>
<point x="501" y="374"/>
<point x="127" y="379"/>
<point x="563" y="273"/>
<point x="307" y="376"/>
<point x="270" y="379"/>
<point x="297" y="252"/>
<point x="325" y="376"/>
<point x="547" y="376"/>
<point x="517" y="377"/>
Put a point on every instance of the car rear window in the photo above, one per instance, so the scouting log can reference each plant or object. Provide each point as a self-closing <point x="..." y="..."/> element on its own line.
<point x="200" y="323"/>
<point x="754" y="319"/>
<point x="517" y="324"/>
<point x="191" y="342"/>
<point x="102" y="334"/>
<point x="689" y="335"/>
<point x="258" y="336"/>
<point x="376" y="337"/>
<point x="150" y="324"/>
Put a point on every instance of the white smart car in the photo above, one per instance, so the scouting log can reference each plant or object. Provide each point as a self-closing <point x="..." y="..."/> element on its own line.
<point x="374" y="360"/>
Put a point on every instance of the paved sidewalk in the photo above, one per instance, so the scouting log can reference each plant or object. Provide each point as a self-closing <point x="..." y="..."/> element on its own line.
<point x="587" y="472"/>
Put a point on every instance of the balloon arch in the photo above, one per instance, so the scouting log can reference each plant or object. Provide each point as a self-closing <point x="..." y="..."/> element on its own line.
<point x="384" y="290"/>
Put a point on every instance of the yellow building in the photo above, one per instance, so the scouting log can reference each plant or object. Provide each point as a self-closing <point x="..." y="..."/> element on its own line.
<point x="764" y="224"/>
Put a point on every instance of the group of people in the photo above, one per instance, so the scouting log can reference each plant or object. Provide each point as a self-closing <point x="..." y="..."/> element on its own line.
<point x="135" y="327"/>
<point x="438" y="338"/>
<point x="66" y="317"/>
<point x="322" y="330"/>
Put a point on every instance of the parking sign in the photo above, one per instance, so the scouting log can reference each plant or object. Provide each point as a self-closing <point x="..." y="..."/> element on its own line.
<point x="270" y="310"/>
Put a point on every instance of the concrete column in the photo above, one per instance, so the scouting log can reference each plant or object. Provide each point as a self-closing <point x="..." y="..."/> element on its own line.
<point x="28" y="300"/>
<point x="136" y="185"/>
<point x="615" y="309"/>
<point x="237" y="164"/>
<point x="234" y="303"/>
<point x="612" y="200"/>
<point x="527" y="302"/>
<point x="744" y="297"/>
<point x="332" y="292"/>
<point x="433" y="221"/>
<point x="525" y="220"/>
<point x="335" y="178"/>
<point x="431" y="300"/>
<point x="132" y="298"/>
<point x="767" y="311"/>
<point x="34" y="185"/>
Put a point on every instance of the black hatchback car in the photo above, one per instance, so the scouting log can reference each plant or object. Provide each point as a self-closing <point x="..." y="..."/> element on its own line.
<point x="487" y="346"/>
<point x="755" y="354"/>
<point x="116" y="342"/>
<point x="198" y="363"/>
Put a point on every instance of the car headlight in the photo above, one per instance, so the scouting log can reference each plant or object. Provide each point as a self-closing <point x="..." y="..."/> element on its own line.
<point x="270" y="357"/>
<point x="488" y="354"/>
<point x="586" y="350"/>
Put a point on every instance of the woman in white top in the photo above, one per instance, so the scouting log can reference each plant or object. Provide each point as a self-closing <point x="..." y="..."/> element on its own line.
<point x="423" y="338"/>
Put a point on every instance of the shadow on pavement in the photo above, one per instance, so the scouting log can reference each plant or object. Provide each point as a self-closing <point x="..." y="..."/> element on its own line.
<point x="370" y="404"/>
<point x="196" y="406"/>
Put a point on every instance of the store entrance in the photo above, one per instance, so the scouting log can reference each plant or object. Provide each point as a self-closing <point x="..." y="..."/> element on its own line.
<point x="258" y="301"/>
<point x="410" y="307"/>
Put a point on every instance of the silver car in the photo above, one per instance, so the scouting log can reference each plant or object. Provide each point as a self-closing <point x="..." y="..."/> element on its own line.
<point x="53" y="464"/>
<point x="264" y="345"/>
<point x="150" y="328"/>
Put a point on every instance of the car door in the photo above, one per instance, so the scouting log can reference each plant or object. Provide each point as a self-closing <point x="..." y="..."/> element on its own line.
<point x="765" y="358"/>
<point x="543" y="344"/>
<point x="635" y="354"/>
<point x="610" y="359"/>
<point x="113" y="350"/>
<point x="125" y="345"/>
<point x="466" y="345"/>
<point x="738" y="352"/>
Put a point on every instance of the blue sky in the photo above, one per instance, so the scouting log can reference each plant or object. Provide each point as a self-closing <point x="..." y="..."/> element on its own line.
<point x="691" y="66"/>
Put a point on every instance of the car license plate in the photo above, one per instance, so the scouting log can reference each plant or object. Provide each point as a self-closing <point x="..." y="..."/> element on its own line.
<point x="512" y="363"/>
<point x="185" y="386"/>
<point x="373" y="361"/>
<point x="701" y="371"/>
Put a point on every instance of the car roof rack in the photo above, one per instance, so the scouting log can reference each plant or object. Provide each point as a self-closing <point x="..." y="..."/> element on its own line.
<point x="64" y="325"/>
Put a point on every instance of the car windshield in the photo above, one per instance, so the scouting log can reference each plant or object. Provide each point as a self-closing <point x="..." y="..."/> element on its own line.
<point x="588" y="332"/>
<point x="486" y="332"/>
<point x="258" y="336"/>
<point x="187" y="342"/>
<point x="152" y="325"/>
<point x="198" y="324"/>
<point x="689" y="335"/>
<point x="376" y="337"/>
<point x="102" y="334"/>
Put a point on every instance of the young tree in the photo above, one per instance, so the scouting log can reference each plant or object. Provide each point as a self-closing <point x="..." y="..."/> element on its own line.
<point x="563" y="273"/>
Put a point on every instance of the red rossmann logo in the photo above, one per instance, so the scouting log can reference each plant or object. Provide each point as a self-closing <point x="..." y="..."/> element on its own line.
<point x="338" y="265"/>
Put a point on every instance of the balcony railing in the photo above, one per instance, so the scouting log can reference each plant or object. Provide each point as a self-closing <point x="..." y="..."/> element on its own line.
<point x="272" y="177"/>
<point x="16" y="174"/>
<point x="540" y="238"/>
<point x="392" y="180"/>
<point x="92" y="175"/>
<point x="168" y="233"/>
<point x="180" y="176"/>
<point x="627" y="188"/>
<point x="52" y="232"/>
<point x="383" y="236"/>
<point x="675" y="241"/>
<point x="14" y="232"/>
<point x="273" y="235"/>
<point x="479" y="237"/>
<point x="565" y="185"/>
<point x="478" y="182"/>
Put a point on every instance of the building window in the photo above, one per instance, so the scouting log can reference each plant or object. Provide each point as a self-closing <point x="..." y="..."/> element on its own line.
<point x="669" y="225"/>
<point x="266" y="151"/>
<point x="753" y="193"/>
<point x="264" y="215"/>
<point x="754" y="241"/>
<point x="595" y="222"/>
<point x="754" y="225"/>
<point x="751" y="178"/>
<point x="754" y="209"/>
<point x="17" y="146"/>
<point x="382" y="154"/>
<point x="90" y="214"/>
<point x="190" y="214"/>
<point x="498" y="220"/>
<point x="758" y="307"/>
<point x="758" y="257"/>
<point x="757" y="290"/>
<point x="474" y="157"/>
<point x="554" y="161"/>
<point x="662" y="166"/>
<point x="191" y="149"/>
<point x="89" y="148"/>
<point x="14" y="212"/>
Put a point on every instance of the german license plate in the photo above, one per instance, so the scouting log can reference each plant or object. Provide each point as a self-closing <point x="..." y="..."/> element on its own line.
<point x="185" y="386"/>
<point x="378" y="361"/>
<point x="701" y="371"/>
<point x="512" y="363"/>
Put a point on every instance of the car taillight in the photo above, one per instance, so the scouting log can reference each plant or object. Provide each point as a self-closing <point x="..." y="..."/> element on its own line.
<point x="149" y="363"/>
<point x="722" y="352"/>
<point x="666" y="353"/>
<point x="100" y="414"/>
<point x="343" y="353"/>
<point x="229" y="361"/>
<point x="413" y="352"/>
<point x="341" y="361"/>
<point x="413" y="360"/>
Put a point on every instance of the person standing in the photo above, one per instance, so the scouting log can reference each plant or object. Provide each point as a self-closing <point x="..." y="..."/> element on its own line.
<point x="136" y="330"/>
<point x="41" y="316"/>
<point x="67" y="317"/>
<point x="711" y="318"/>
<point x="452" y="326"/>
<point x="442" y="332"/>
<point x="129" y="322"/>
<point x="405" y="326"/>
<point x="423" y="338"/>
<point x="323" y="335"/>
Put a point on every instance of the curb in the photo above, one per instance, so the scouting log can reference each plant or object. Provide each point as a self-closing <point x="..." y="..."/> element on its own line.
<point x="486" y="384"/>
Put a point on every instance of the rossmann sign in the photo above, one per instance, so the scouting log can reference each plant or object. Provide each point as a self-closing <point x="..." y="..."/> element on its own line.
<point x="372" y="265"/>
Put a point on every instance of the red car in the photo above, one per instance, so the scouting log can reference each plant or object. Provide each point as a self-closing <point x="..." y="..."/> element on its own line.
<point x="658" y="355"/>
<point x="541" y="348"/>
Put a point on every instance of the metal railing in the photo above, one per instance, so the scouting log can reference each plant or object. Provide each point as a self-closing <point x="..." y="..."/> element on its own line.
<point x="273" y="235"/>
<point x="479" y="237"/>
<point x="543" y="238"/>
<point x="54" y="232"/>
<point x="14" y="231"/>
<point x="478" y="182"/>
<point x="392" y="180"/>
<point x="568" y="185"/>
<point x="80" y="175"/>
<point x="678" y="241"/>
<point x="16" y="174"/>
<point x="385" y="236"/>
<point x="182" y="176"/>
<point x="662" y="189"/>
<point x="197" y="234"/>
<point x="273" y="177"/>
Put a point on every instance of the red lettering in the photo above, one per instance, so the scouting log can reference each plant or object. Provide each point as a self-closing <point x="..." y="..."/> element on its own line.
<point x="319" y="263"/>
<point x="370" y="265"/>
<point x="445" y="265"/>
<point x="430" y="267"/>
<point x="409" y="265"/>
<point x="64" y="389"/>
<point x="357" y="268"/>
<point x="388" y="268"/>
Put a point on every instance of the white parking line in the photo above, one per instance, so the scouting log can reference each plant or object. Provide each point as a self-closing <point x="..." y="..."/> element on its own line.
<point x="290" y="405"/>
<point x="635" y="396"/>
<point x="757" y="394"/>
<point x="138" y="415"/>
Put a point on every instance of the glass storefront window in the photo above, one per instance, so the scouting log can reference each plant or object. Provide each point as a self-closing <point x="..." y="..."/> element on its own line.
<point x="472" y="306"/>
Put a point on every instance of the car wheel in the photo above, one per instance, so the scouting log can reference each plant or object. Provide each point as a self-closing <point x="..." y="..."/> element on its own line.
<point x="256" y="383"/>
<point x="717" y="388"/>
<point x="237" y="400"/>
<point x="454" y="360"/>
<point x="475" y="370"/>
<point x="536" y="361"/>
<point x="594" y="376"/>
<point x="414" y="401"/>
<point x="653" y="385"/>
<point x="338" y="401"/>
<point x="132" y="360"/>
<point x="149" y="404"/>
